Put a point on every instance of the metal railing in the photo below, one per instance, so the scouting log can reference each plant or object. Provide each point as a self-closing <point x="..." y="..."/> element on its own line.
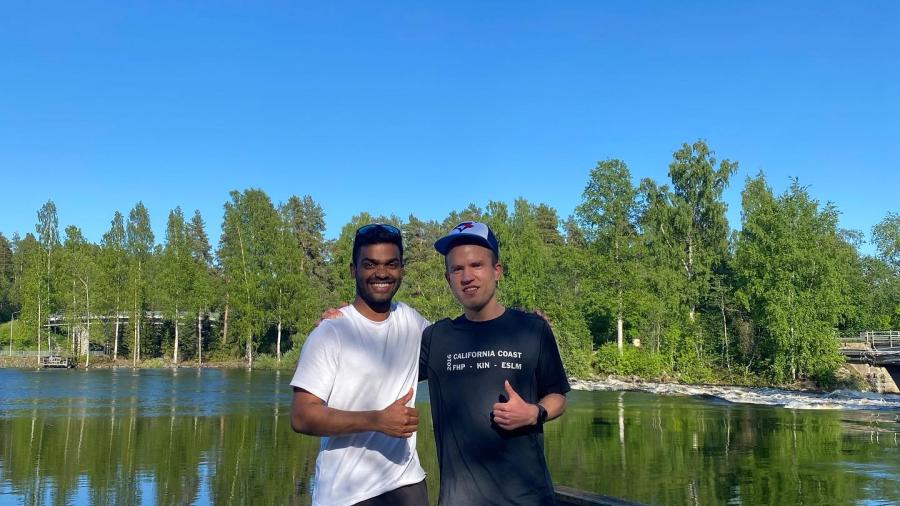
<point x="875" y="339"/>
<point x="46" y="353"/>
<point x="882" y="339"/>
<point x="28" y="353"/>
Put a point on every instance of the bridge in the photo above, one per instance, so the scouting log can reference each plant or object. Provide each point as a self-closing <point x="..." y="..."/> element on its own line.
<point x="875" y="349"/>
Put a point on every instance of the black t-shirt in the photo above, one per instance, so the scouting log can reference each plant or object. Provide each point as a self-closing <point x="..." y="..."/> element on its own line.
<point x="465" y="363"/>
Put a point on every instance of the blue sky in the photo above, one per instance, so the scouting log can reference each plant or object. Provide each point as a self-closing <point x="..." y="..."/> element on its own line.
<point x="424" y="107"/>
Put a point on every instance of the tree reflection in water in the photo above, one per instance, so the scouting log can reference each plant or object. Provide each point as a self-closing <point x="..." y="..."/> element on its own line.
<point x="224" y="437"/>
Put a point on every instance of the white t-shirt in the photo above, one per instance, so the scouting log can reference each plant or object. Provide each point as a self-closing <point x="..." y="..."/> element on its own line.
<point x="355" y="364"/>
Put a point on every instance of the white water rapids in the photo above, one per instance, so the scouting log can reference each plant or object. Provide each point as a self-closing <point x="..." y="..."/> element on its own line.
<point x="791" y="399"/>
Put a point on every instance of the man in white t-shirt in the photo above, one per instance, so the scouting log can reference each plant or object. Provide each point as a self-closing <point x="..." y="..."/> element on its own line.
<point x="355" y="386"/>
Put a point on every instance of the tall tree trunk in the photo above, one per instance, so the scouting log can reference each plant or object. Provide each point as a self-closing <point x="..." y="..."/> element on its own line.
<point x="620" y="334"/>
<point x="87" y="338"/>
<point x="72" y="326"/>
<point x="138" y="309"/>
<point x="278" y="342"/>
<point x="725" y="334"/>
<point x="175" y="354"/>
<point x="199" y="339"/>
<point x="690" y="274"/>
<point x="39" y="330"/>
<point x="250" y="350"/>
<point x="620" y="331"/>
<point x="116" y="338"/>
<point x="134" y="330"/>
<point x="225" y="327"/>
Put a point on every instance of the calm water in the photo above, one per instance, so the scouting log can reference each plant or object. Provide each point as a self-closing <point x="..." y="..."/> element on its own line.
<point x="224" y="437"/>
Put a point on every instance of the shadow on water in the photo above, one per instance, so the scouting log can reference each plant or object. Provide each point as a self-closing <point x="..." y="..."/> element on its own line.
<point x="223" y="437"/>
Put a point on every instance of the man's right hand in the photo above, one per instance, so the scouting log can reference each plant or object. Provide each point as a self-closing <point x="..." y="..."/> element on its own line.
<point x="398" y="420"/>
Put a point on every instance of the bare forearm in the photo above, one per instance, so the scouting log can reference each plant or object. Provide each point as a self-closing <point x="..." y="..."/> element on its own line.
<point x="320" y="420"/>
<point x="310" y="415"/>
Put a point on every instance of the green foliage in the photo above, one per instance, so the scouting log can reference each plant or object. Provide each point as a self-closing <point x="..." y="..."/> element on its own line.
<point x="886" y="237"/>
<point x="155" y="363"/>
<point x="7" y="280"/>
<point x="247" y="251"/>
<point x="792" y="280"/>
<point x="424" y="286"/>
<point x="608" y="216"/>
<point x="265" y="361"/>
<point x="652" y="262"/>
<point x="632" y="361"/>
<point x="21" y="335"/>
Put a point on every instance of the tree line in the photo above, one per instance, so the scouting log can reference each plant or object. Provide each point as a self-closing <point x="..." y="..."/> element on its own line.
<point x="646" y="279"/>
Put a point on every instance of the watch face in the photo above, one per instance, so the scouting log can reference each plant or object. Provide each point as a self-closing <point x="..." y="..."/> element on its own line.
<point x="542" y="414"/>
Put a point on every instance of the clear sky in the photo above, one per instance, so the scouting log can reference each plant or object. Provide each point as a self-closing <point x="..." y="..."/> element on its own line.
<point x="425" y="107"/>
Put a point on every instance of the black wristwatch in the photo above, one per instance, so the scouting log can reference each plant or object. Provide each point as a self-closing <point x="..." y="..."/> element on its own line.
<point x="542" y="414"/>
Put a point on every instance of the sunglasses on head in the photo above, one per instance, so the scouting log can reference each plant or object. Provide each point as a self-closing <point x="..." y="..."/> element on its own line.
<point x="375" y="227"/>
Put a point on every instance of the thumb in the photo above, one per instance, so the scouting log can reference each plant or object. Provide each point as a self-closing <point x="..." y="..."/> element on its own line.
<point x="509" y="390"/>
<point x="405" y="398"/>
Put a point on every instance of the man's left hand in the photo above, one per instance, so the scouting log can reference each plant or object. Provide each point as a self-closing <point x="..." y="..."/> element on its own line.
<point x="331" y="313"/>
<point x="514" y="413"/>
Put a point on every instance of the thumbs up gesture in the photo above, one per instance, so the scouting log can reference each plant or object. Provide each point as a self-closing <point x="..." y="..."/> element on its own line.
<point x="398" y="420"/>
<point x="515" y="412"/>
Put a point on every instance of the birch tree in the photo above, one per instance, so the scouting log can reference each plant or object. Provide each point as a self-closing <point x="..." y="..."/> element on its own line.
<point x="699" y="221"/>
<point x="246" y="252"/>
<point x="177" y="268"/>
<point x="139" y="243"/>
<point x="608" y="216"/>
<point x="791" y="280"/>
<point x="47" y="229"/>
<point x="82" y="270"/>
<point x="114" y="259"/>
<point x="202" y="282"/>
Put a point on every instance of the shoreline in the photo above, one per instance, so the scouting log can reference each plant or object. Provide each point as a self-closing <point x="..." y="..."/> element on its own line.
<point x="31" y="363"/>
<point x="597" y="382"/>
<point x="802" y="396"/>
<point x="601" y="382"/>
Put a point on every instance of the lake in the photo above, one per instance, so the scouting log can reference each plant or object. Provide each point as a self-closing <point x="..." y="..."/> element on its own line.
<point x="188" y="436"/>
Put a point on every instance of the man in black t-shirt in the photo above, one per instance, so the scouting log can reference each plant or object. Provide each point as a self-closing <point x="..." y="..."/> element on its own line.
<point x="495" y="376"/>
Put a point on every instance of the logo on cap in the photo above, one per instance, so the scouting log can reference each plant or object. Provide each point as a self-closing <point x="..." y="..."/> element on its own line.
<point x="463" y="226"/>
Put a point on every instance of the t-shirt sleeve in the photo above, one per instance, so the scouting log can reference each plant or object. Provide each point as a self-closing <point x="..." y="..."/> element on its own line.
<point x="551" y="375"/>
<point x="423" y="353"/>
<point x="318" y="364"/>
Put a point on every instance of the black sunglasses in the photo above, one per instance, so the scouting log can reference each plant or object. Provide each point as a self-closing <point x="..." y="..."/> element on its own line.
<point x="375" y="227"/>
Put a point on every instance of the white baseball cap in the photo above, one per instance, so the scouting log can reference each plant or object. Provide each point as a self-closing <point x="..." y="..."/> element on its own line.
<point x="468" y="232"/>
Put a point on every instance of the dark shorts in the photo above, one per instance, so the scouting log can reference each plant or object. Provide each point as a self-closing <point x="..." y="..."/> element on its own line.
<point x="410" y="495"/>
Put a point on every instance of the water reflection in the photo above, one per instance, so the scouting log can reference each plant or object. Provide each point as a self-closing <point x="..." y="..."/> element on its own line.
<point x="223" y="437"/>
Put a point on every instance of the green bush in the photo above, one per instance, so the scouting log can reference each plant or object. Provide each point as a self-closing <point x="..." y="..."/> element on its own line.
<point x="155" y="363"/>
<point x="631" y="362"/>
<point x="642" y="363"/>
<point x="289" y="359"/>
<point x="698" y="374"/>
<point x="607" y="360"/>
<point x="266" y="361"/>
